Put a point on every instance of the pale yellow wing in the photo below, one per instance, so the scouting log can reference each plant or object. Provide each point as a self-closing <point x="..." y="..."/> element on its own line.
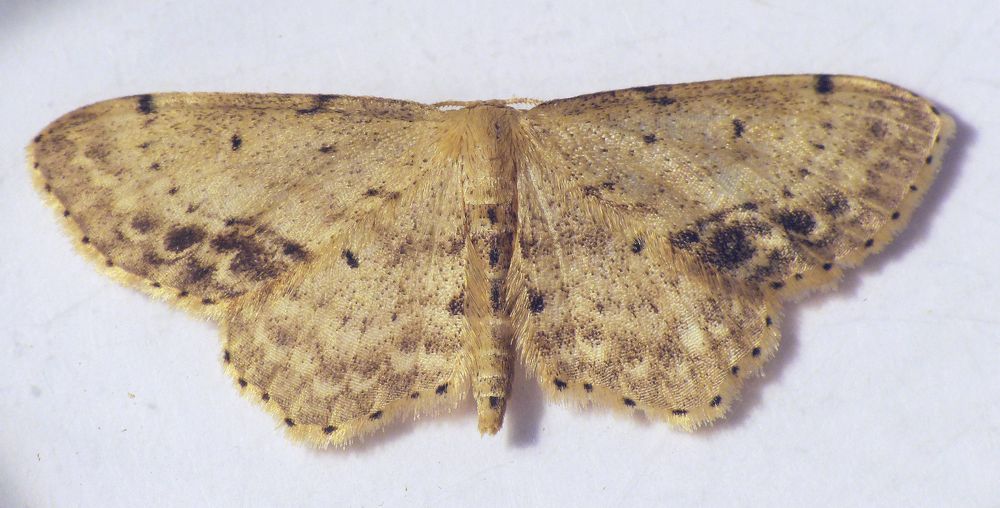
<point x="200" y="198"/>
<point x="662" y="226"/>
<point x="318" y="229"/>
<point x="372" y="329"/>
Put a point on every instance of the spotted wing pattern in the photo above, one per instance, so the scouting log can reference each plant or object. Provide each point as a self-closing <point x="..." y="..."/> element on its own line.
<point x="661" y="227"/>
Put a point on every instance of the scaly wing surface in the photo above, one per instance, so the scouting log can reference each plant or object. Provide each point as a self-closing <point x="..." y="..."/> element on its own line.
<point x="662" y="226"/>
<point x="321" y="230"/>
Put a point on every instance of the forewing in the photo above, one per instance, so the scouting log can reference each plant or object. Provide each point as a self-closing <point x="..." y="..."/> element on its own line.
<point x="818" y="171"/>
<point x="660" y="227"/>
<point x="326" y="233"/>
<point x="200" y="198"/>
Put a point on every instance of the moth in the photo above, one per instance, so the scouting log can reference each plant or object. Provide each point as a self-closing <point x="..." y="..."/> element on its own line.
<point x="371" y="258"/>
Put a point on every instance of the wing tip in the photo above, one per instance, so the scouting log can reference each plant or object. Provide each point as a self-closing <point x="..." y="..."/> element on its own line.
<point x="103" y="262"/>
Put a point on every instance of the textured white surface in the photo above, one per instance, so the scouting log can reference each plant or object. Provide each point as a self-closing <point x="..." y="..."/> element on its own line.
<point x="884" y="393"/>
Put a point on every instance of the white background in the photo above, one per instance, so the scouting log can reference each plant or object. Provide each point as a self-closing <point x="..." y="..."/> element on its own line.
<point x="884" y="392"/>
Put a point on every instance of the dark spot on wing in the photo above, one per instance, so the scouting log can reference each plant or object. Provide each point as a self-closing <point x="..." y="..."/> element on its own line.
<point x="878" y="129"/>
<point x="588" y="387"/>
<point x="536" y="302"/>
<point x="836" y="204"/>
<point x="327" y="149"/>
<point x="649" y="138"/>
<point x="152" y="258"/>
<point x="755" y="351"/>
<point x="628" y="402"/>
<point x="375" y="416"/>
<point x="319" y="101"/>
<point x="196" y="272"/>
<point x="441" y="389"/>
<point x="329" y="429"/>
<point x="233" y="221"/>
<point x="637" y="245"/>
<point x="560" y="384"/>
<point x="824" y="84"/>
<point x="728" y="248"/>
<point x="236" y="141"/>
<point x="797" y="221"/>
<point x="289" y="422"/>
<point x="349" y="257"/>
<point x="142" y="223"/>
<point x="679" y="412"/>
<point x="371" y="192"/>
<point x="182" y="238"/>
<point x="145" y="104"/>
<point x="684" y="239"/>
<point x="494" y="402"/>
<point x="491" y="214"/>
<point x="457" y="305"/>
<point x="251" y="257"/>
<point x="738" y="128"/>
<point x="294" y="251"/>
<point x="716" y="401"/>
